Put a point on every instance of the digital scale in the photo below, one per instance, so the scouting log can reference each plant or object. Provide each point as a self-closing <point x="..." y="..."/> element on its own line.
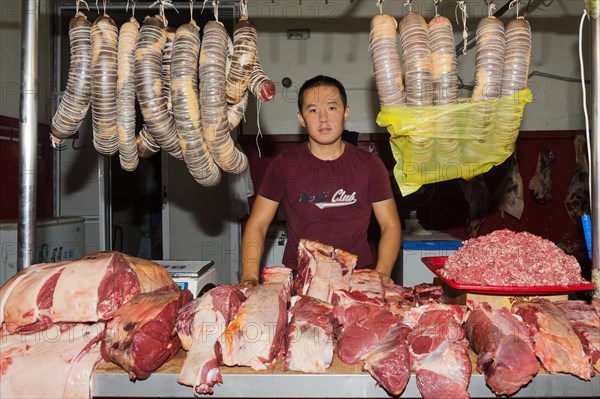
<point x="196" y="276"/>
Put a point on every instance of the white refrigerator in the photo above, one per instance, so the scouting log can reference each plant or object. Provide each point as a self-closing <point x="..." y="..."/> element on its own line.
<point x="58" y="238"/>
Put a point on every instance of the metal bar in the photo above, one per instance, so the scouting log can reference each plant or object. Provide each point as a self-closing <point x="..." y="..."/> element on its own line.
<point x="104" y="204"/>
<point x="28" y="134"/>
<point x="166" y="207"/>
<point x="323" y="386"/>
<point x="57" y="160"/>
<point x="592" y="8"/>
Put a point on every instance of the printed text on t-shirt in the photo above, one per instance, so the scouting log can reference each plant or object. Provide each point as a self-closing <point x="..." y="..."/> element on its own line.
<point x="339" y="198"/>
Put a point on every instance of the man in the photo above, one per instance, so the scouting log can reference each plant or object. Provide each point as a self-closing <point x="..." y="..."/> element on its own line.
<point x="328" y="187"/>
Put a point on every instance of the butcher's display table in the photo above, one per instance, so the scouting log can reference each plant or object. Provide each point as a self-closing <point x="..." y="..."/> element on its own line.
<point x="341" y="380"/>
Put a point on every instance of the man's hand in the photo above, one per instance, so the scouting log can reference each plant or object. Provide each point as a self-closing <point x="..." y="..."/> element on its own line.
<point x="385" y="279"/>
<point x="248" y="283"/>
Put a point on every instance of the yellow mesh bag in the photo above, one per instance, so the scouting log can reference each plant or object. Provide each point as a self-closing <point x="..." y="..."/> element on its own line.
<point x="445" y="142"/>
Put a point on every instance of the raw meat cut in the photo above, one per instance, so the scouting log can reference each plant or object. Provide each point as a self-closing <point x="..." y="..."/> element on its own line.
<point x="142" y="336"/>
<point x="277" y="274"/>
<point x="309" y="337"/>
<point x="509" y="195"/>
<point x="541" y="183"/>
<point x="412" y="316"/>
<point x="352" y="307"/>
<point x="427" y="293"/>
<point x="28" y="299"/>
<point x="438" y="352"/>
<point x="506" y="258"/>
<point x="89" y="289"/>
<point x="93" y="287"/>
<point x="585" y="321"/>
<point x="368" y="282"/>
<point x="389" y="361"/>
<point x="63" y="356"/>
<point x="505" y="350"/>
<point x="364" y="322"/>
<point x="398" y="294"/>
<point x="199" y="325"/>
<point x="577" y="202"/>
<point x="478" y="198"/>
<point x="255" y="336"/>
<point x="400" y="299"/>
<point x="322" y="269"/>
<point x="555" y="342"/>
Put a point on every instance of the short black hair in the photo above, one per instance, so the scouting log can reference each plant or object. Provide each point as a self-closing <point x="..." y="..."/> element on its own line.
<point x="319" y="81"/>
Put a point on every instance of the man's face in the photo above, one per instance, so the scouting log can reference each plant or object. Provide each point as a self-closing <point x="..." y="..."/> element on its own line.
<point x="323" y="114"/>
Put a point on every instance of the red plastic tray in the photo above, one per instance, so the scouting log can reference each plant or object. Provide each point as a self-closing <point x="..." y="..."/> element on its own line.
<point x="436" y="263"/>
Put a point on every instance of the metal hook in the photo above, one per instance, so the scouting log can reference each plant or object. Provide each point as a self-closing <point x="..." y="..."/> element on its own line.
<point x="515" y="3"/>
<point x="379" y="4"/>
<point x="77" y="5"/>
<point x="436" y="3"/>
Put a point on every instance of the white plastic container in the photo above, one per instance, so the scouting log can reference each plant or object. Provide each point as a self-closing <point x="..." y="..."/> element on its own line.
<point x="59" y="238"/>
<point x="410" y="270"/>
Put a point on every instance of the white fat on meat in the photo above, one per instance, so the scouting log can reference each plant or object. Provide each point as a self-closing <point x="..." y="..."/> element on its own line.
<point x="323" y="269"/>
<point x="76" y="295"/>
<point x="7" y="289"/>
<point x="255" y="336"/>
<point x="22" y="306"/>
<point x="309" y="336"/>
<point x="555" y="343"/>
<point x="368" y="282"/>
<point x="65" y="359"/>
<point x="199" y="326"/>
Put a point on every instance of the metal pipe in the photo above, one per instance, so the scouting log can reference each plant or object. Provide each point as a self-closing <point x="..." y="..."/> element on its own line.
<point x="28" y="134"/>
<point x="104" y="206"/>
<point x="592" y="8"/>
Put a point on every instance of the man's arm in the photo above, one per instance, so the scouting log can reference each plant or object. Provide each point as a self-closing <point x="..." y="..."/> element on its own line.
<point x="389" y="244"/>
<point x="253" y="240"/>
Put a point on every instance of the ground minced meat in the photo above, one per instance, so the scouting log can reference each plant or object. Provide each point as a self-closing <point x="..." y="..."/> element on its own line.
<point x="506" y="258"/>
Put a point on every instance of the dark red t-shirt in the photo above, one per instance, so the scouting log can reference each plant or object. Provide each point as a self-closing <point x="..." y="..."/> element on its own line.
<point x="327" y="201"/>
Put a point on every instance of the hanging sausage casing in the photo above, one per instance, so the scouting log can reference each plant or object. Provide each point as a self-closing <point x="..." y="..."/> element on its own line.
<point x="260" y="85"/>
<point x="443" y="61"/>
<point x="517" y="57"/>
<point x="383" y="44"/>
<point x="213" y="104"/>
<point x="149" y="87"/>
<point x="414" y="38"/>
<point x="128" y="37"/>
<point x="244" y="52"/>
<point x="186" y="105"/>
<point x="166" y="67"/>
<point x="76" y="98"/>
<point x="235" y="112"/>
<point x="489" y="59"/>
<point x="146" y="144"/>
<point x="104" y="85"/>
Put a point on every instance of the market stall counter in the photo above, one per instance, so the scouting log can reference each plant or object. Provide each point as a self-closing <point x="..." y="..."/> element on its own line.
<point x="341" y="380"/>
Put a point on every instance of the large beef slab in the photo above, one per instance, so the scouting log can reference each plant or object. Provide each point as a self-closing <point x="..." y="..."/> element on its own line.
<point x="555" y="343"/>
<point x="199" y="325"/>
<point x="256" y="334"/>
<point x="142" y="336"/>
<point x="505" y="350"/>
<point x="89" y="289"/>
<point x="309" y="337"/>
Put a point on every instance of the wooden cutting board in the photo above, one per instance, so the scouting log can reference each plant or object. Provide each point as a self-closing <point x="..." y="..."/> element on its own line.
<point x="175" y="365"/>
